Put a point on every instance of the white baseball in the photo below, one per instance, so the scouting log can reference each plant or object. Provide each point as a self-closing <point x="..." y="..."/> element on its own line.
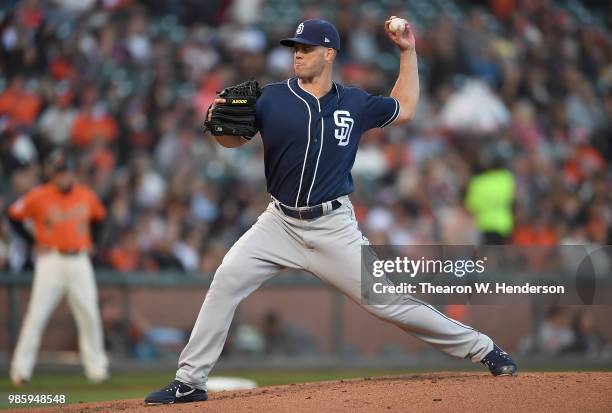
<point x="397" y="25"/>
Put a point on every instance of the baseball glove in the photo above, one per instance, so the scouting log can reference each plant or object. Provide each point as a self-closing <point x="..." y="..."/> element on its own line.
<point x="237" y="115"/>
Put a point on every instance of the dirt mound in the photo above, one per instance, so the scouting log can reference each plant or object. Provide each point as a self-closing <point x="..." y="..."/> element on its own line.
<point x="434" y="392"/>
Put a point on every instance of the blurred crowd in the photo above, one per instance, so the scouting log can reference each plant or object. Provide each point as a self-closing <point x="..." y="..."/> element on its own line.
<point x="565" y="332"/>
<point x="511" y="142"/>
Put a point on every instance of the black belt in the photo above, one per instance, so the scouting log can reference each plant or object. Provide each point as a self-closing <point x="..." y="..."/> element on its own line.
<point x="69" y="252"/>
<point x="73" y="252"/>
<point x="307" y="213"/>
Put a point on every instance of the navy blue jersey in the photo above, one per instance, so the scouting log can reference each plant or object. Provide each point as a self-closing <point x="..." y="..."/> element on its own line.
<point x="310" y="144"/>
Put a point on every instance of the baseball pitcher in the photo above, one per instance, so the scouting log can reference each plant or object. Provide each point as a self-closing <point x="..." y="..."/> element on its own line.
<point x="61" y="212"/>
<point x="311" y="127"/>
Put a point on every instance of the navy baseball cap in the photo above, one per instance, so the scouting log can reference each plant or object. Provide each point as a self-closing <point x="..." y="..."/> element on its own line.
<point x="315" y="32"/>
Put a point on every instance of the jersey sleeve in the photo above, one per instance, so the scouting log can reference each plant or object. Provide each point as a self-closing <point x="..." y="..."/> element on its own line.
<point x="98" y="211"/>
<point x="257" y="123"/>
<point x="259" y="111"/>
<point x="379" y="111"/>
<point x="24" y="207"/>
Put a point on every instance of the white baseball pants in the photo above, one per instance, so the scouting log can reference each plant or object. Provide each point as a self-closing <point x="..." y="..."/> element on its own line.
<point x="54" y="276"/>
<point x="330" y="248"/>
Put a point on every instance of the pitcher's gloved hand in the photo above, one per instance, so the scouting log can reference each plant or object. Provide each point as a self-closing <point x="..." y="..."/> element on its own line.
<point x="235" y="115"/>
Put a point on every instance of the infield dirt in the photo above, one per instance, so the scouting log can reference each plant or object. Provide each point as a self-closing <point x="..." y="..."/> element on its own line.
<point x="431" y="392"/>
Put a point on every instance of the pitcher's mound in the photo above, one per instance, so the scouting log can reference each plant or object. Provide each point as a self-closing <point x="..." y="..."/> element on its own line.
<point x="433" y="392"/>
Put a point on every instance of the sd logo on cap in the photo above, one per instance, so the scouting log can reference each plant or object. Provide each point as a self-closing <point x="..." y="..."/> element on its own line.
<point x="315" y="32"/>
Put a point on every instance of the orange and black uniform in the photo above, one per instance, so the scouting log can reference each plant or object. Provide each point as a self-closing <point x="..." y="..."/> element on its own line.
<point x="62" y="223"/>
<point x="61" y="220"/>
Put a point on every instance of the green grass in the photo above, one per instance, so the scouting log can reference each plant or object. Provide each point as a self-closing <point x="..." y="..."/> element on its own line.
<point x="138" y="385"/>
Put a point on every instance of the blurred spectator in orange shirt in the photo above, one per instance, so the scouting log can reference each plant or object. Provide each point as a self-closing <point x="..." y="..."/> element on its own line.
<point x="30" y="14"/>
<point x="62" y="68"/>
<point x="584" y="163"/>
<point x="18" y="103"/>
<point x="503" y="9"/>
<point x="535" y="232"/>
<point x="92" y="123"/>
<point x="125" y="257"/>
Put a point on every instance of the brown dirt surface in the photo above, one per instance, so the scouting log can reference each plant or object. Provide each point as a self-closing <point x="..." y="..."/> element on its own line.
<point x="431" y="392"/>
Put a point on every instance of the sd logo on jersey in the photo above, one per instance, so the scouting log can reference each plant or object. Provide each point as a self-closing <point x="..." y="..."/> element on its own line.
<point x="344" y="123"/>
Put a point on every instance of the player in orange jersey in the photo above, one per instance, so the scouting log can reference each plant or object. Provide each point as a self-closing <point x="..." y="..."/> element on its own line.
<point x="61" y="212"/>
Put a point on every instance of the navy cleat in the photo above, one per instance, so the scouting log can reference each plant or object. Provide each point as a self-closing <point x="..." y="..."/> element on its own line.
<point x="499" y="362"/>
<point x="176" y="392"/>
